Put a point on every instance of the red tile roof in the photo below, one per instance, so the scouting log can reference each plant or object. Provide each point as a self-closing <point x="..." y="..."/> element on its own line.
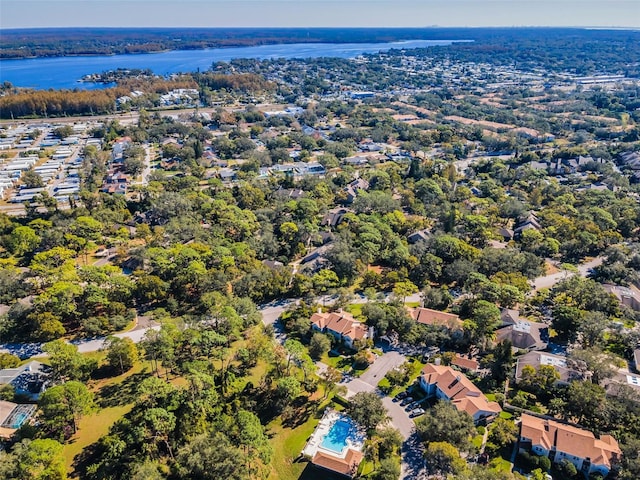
<point x="346" y="466"/>
<point x="459" y="389"/>
<point x="569" y="440"/>
<point x="341" y="323"/>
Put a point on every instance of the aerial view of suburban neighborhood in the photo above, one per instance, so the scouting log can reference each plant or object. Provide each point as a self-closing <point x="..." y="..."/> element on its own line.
<point x="268" y="253"/>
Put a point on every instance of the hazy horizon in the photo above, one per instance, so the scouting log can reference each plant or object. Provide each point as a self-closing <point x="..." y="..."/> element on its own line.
<point x="322" y="13"/>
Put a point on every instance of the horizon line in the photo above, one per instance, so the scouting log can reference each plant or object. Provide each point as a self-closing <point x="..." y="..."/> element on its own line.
<point x="265" y="27"/>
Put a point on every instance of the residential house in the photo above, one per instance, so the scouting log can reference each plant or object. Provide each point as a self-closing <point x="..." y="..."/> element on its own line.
<point x="530" y="221"/>
<point x="29" y="380"/>
<point x="448" y="321"/>
<point x="628" y="296"/>
<point x="565" y="368"/>
<point x="290" y="193"/>
<point x="419" y="236"/>
<point x="347" y="465"/>
<point x="506" y="233"/>
<point x="445" y="383"/>
<point x="341" y="325"/>
<point x="13" y="416"/>
<point x="465" y="363"/>
<point x="636" y="359"/>
<point x="352" y="189"/>
<point x="333" y="217"/>
<point x="622" y="381"/>
<point x="559" y="442"/>
<point x="522" y="333"/>
<point x="117" y="152"/>
<point x="115" y="182"/>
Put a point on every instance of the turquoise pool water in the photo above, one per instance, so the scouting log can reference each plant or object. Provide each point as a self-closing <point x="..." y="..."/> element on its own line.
<point x="337" y="436"/>
<point x="19" y="420"/>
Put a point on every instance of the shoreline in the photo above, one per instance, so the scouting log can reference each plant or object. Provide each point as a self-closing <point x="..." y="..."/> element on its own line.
<point x="227" y="46"/>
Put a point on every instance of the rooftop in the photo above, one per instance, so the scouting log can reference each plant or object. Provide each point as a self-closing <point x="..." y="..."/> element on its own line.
<point x="570" y="440"/>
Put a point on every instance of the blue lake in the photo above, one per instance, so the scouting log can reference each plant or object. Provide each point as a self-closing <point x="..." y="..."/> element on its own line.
<point x="64" y="72"/>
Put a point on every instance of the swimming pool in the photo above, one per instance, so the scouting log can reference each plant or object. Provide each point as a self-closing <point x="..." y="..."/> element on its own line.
<point x="340" y="432"/>
<point x="19" y="420"/>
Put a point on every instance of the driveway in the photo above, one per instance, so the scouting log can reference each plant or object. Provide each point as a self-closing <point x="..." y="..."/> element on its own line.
<point x="549" y="281"/>
<point x="381" y="366"/>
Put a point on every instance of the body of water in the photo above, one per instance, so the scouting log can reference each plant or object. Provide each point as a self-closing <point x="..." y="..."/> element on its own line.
<point x="64" y="72"/>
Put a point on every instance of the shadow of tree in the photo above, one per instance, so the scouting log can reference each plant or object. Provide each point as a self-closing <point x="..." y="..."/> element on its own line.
<point x="120" y="393"/>
<point x="302" y="410"/>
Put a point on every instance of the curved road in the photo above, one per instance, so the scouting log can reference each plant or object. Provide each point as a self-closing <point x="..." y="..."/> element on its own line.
<point x="270" y="313"/>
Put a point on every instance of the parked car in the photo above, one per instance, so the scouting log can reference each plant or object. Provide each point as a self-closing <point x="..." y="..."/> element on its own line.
<point x="412" y="406"/>
<point x="399" y="396"/>
<point x="406" y="401"/>
<point x="416" y="412"/>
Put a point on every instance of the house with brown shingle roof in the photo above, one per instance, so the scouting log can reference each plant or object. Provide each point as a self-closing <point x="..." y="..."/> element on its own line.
<point x="524" y="335"/>
<point x="427" y="316"/>
<point x="567" y="369"/>
<point x="565" y="442"/>
<point x="341" y="325"/>
<point x="628" y="296"/>
<point x="445" y="383"/>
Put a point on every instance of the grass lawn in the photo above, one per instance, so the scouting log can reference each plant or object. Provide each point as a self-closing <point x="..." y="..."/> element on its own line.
<point x="336" y="361"/>
<point x="114" y="397"/>
<point x="91" y="429"/>
<point x="287" y="444"/>
<point x="506" y="415"/>
<point x="500" y="464"/>
<point x="477" y="441"/>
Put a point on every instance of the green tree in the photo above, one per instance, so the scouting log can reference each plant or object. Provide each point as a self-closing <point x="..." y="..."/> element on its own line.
<point x="404" y="289"/>
<point x="210" y="458"/>
<point x="122" y="353"/>
<point x="446" y="424"/>
<point x="31" y="179"/>
<point x="502" y="432"/>
<point x="324" y="281"/>
<point x="387" y="470"/>
<point x="319" y="345"/>
<point x="66" y="362"/>
<point x="366" y="409"/>
<point x="539" y="380"/>
<point x="63" y="405"/>
<point x="254" y="442"/>
<point x="22" y="240"/>
<point x="8" y="360"/>
<point x="444" y="458"/>
<point x="34" y="460"/>
<point x="585" y="403"/>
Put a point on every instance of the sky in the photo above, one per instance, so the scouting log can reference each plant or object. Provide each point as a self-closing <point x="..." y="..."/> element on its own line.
<point x="317" y="13"/>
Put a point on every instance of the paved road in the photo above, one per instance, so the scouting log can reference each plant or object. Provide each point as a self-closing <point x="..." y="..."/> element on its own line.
<point x="412" y="459"/>
<point x="549" y="281"/>
<point x="27" y="350"/>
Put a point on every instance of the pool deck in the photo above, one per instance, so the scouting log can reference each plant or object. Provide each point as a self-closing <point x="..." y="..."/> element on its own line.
<point x="314" y="444"/>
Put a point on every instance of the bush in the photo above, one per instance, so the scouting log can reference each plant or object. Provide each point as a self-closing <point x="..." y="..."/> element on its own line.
<point x="531" y="461"/>
<point x="567" y="468"/>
